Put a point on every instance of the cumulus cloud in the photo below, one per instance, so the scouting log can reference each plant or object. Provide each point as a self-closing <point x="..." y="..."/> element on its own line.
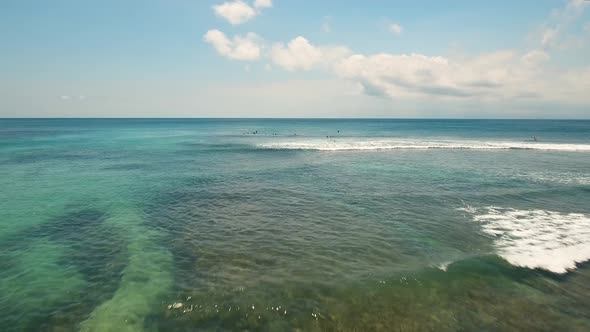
<point x="509" y="75"/>
<point x="238" y="11"/>
<point x="417" y="75"/>
<point x="260" y="4"/>
<point x="503" y="75"/>
<point x="300" y="54"/>
<point x="398" y="76"/>
<point x="238" y="48"/>
<point x="395" y="28"/>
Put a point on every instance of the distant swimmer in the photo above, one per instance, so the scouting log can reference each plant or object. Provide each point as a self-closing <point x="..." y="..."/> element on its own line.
<point x="535" y="139"/>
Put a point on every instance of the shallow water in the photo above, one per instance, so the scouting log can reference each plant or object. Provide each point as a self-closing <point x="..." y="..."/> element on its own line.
<point x="282" y="225"/>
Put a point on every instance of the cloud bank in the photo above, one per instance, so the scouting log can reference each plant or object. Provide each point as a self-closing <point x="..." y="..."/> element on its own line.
<point x="500" y="76"/>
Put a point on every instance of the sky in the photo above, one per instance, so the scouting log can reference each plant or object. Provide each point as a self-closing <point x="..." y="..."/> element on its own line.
<point x="295" y="58"/>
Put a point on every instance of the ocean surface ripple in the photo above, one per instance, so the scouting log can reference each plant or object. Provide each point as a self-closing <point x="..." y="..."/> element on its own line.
<point x="287" y="225"/>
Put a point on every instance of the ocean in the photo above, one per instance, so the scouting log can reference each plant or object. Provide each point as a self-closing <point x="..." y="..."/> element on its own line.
<point x="294" y="225"/>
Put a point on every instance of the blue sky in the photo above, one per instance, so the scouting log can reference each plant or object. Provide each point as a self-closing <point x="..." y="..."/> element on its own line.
<point x="286" y="58"/>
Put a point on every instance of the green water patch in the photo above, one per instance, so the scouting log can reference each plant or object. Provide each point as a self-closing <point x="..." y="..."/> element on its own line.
<point x="35" y="284"/>
<point x="145" y="279"/>
<point x="120" y="267"/>
<point x="79" y="242"/>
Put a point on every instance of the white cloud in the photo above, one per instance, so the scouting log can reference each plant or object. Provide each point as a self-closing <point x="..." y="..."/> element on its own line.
<point x="402" y="75"/>
<point x="238" y="12"/>
<point x="499" y="76"/>
<point x="395" y="28"/>
<point x="548" y="37"/>
<point x="260" y="4"/>
<point x="299" y="53"/>
<point x="535" y="57"/>
<point x="576" y="4"/>
<point x="560" y="21"/>
<point x="69" y="97"/>
<point x="237" y="48"/>
<point x="502" y="76"/>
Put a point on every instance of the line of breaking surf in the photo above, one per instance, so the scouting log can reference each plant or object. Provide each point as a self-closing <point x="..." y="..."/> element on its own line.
<point x="385" y="144"/>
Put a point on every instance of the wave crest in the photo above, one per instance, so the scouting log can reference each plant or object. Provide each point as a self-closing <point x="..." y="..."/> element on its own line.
<point x="541" y="239"/>
<point x="393" y="144"/>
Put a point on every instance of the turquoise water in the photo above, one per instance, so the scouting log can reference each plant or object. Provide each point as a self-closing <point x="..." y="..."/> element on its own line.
<point x="283" y="225"/>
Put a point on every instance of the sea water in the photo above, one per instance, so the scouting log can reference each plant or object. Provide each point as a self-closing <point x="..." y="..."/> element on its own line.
<point x="282" y="225"/>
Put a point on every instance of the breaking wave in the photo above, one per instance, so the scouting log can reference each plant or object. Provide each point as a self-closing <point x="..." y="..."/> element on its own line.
<point x="541" y="239"/>
<point x="393" y="144"/>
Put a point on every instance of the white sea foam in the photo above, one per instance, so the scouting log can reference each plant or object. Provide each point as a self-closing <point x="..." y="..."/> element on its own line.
<point x="562" y="178"/>
<point x="343" y="144"/>
<point x="444" y="266"/>
<point x="542" y="239"/>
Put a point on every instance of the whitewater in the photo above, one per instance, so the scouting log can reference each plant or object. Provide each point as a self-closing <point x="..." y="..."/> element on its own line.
<point x="348" y="144"/>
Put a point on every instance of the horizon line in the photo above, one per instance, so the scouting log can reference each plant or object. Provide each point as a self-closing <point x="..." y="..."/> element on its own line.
<point x="283" y="118"/>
